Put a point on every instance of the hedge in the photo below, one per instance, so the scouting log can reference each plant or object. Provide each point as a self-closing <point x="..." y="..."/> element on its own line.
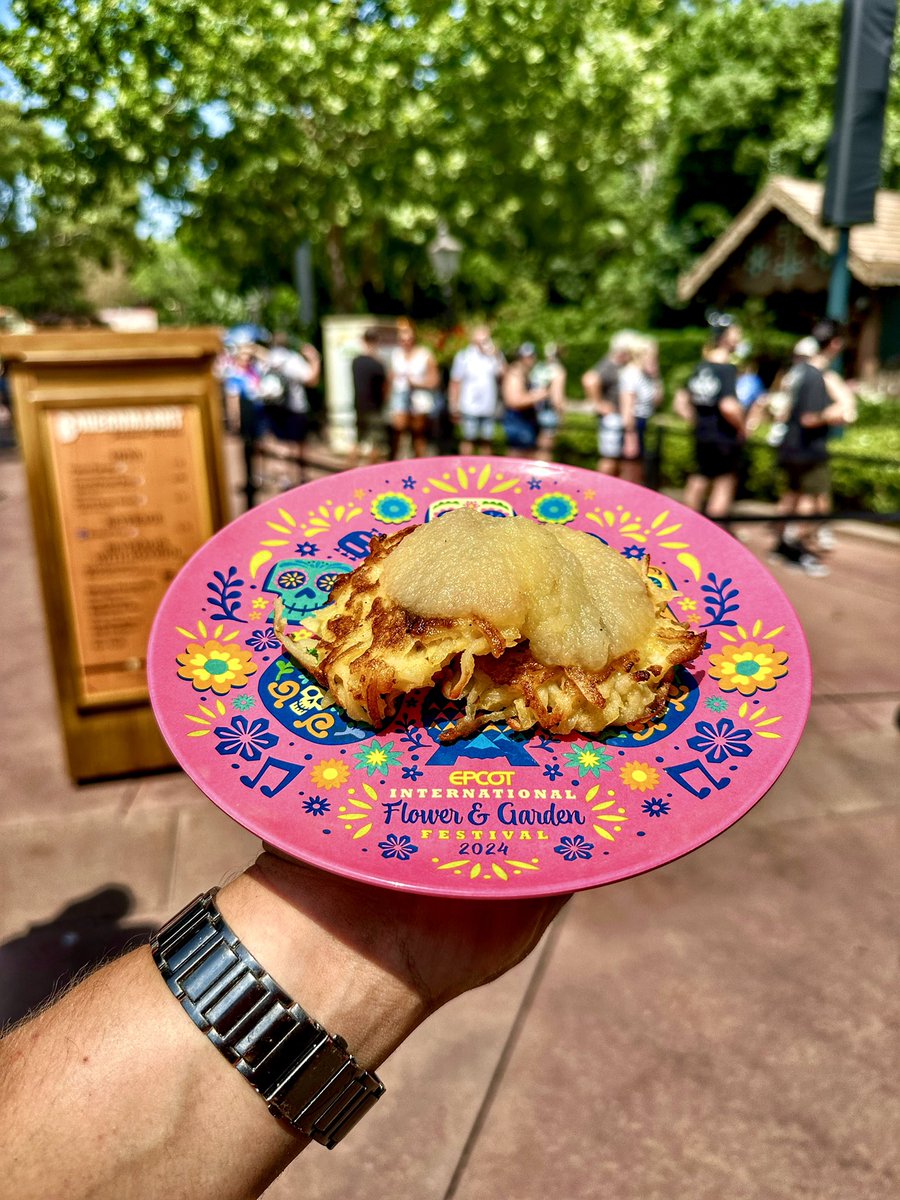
<point x="865" y="459"/>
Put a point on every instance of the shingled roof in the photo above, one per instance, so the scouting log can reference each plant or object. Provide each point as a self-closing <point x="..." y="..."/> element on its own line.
<point x="874" y="249"/>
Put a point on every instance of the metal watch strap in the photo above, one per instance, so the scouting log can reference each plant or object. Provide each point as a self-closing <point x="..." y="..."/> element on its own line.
<point x="306" y="1076"/>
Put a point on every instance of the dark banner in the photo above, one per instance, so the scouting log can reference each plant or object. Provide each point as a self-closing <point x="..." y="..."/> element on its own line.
<point x="854" y="150"/>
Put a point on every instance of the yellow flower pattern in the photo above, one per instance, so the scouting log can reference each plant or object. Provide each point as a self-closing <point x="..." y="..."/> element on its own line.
<point x="330" y="773"/>
<point x="748" y="668"/>
<point x="215" y="665"/>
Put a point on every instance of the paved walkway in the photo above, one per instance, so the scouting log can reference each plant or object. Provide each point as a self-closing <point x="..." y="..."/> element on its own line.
<point x="717" y="1029"/>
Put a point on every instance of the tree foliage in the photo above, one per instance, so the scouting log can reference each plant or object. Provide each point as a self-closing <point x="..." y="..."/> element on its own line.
<point x="583" y="148"/>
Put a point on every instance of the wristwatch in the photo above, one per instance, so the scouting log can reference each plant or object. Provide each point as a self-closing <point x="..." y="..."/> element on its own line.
<point x="306" y="1076"/>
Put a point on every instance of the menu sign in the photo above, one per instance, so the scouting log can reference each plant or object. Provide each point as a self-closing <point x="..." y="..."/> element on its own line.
<point x="130" y="513"/>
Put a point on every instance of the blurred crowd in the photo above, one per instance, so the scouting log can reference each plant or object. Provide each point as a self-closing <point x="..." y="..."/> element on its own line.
<point x="514" y="403"/>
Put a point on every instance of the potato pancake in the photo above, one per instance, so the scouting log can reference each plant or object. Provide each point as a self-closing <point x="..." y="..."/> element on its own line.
<point x="524" y="623"/>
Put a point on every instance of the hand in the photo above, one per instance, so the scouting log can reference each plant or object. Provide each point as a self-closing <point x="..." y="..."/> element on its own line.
<point x="371" y="963"/>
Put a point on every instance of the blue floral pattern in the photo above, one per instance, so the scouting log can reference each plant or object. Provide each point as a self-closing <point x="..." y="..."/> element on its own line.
<point x="316" y="806"/>
<point x="720" y="741"/>
<point x="553" y="770"/>
<point x="398" y="846"/>
<point x="573" y="848"/>
<point x="656" y="808"/>
<point x="245" y="738"/>
<point x="263" y="639"/>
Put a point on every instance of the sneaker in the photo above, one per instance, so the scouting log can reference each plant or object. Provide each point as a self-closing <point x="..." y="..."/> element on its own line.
<point x="795" y="554"/>
<point x="813" y="565"/>
<point x="825" y="539"/>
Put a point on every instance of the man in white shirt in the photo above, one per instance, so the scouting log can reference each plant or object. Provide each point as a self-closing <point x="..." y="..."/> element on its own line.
<point x="474" y="391"/>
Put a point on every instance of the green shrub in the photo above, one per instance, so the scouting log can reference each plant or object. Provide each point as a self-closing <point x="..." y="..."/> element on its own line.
<point x="865" y="461"/>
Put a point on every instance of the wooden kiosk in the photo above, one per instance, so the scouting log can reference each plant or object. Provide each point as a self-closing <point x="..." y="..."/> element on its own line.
<point x="121" y="439"/>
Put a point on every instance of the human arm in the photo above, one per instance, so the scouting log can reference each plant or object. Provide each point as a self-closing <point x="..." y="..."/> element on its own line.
<point x="682" y="407"/>
<point x="558" y="389"/>
<point x="593" y="389"/>
<point x="627" y="407"/>
<point x="314" y="359"/>
<point x="732" y="411"/>
<point x="841" y="410"/>
<point x="114" y="1083"/>
<point x="516" y="395"/>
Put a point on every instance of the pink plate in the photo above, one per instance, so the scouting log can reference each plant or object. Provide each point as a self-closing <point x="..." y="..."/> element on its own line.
<point x="499" y="814"/>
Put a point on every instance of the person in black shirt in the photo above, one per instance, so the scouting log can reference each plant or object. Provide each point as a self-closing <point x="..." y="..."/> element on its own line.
<point x="369" y="389"/>
<point x="818" y="403"/>
<point x="710" y="403"/>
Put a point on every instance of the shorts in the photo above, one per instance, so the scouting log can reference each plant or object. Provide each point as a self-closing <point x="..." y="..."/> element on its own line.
<point x="715" y="459"/>
<point x="808" y="479"/>
<point x="371" y="432"/>
<point x="420" y="402"/>
<point x="611" y="437"/>
<point x="521" y="431"/>
<point x="255" y="420"/>
<point x="287" y="426"/>
<point x="477" y="429"/>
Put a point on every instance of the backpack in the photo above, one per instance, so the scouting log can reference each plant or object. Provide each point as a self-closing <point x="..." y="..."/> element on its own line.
<point x="273" y="389"/>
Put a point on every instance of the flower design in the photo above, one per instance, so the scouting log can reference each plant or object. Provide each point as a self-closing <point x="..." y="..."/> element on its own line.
<point x="330" y="773"/>
<point x="243" y="702"/>
<point x="716" y="704"/>
<point x="639" y="776"/>
<point x="721" y="741"/>
<point x="409" y="483"/>
<point x="534" y="485"/>
<point x="656" y="808"/>
<point x="573" y="848"/>
<point x="217" y="666"/>
<point x="260" y="603"/>
<point x="748" y="668"/>
<point x="289" y="580"/>
<point x="412" y="772"/>
<point x="686" y="604"/>
<point x="393" y="508"/>
<point x="263" y="639"/>
<point x="316" y="806"/>
<point x="246" y="738"/>
<point x="637" y="552"/>
<point x="553" y="770"/>
<point x="307" y="549"/>
<point x="399" y="846"/>
<point x="556" y="508"/>
<point x="588" y="760"/>
<point x="377" y="757"/>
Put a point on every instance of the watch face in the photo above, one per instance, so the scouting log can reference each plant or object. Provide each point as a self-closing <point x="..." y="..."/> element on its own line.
<point x="500" y="813"/>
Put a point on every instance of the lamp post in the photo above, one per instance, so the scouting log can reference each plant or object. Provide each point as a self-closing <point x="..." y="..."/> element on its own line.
<point x="444" y="253"/>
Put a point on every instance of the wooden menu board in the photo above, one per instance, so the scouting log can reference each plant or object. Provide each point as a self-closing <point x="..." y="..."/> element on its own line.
<point x="120" y="434"/>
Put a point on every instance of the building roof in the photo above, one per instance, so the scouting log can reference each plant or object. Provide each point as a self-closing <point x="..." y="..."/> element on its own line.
<point x="874" y="249"/>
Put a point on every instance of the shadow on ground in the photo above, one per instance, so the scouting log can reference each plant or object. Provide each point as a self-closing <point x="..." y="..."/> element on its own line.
<point x="43" y="961"/>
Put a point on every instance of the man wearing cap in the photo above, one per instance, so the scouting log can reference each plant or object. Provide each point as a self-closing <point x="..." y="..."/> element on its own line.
<point x="819" y="402"/>
<point x="474" y="390"/>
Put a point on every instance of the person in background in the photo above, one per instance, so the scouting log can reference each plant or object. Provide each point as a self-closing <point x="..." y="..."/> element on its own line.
<point x="602" y="387"/>
<point x="290" y="374"/>
<point x="647" y="389"/>
<point x="819" y="401"/>
<point x="412" y="383"/>
<point x="240" y="371"/>
<point x="369" y="395"/>
<point x="550" y="374"/>
<point x="521" y="400"/>
<point x="474" y="391"/>
<point x="710" y="403"/>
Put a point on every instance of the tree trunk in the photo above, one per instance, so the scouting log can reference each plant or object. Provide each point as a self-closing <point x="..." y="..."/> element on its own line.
<point x="343" y="296"/>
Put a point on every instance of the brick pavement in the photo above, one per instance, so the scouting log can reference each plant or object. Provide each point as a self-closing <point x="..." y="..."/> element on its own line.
<point x="719" y="1028"/>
